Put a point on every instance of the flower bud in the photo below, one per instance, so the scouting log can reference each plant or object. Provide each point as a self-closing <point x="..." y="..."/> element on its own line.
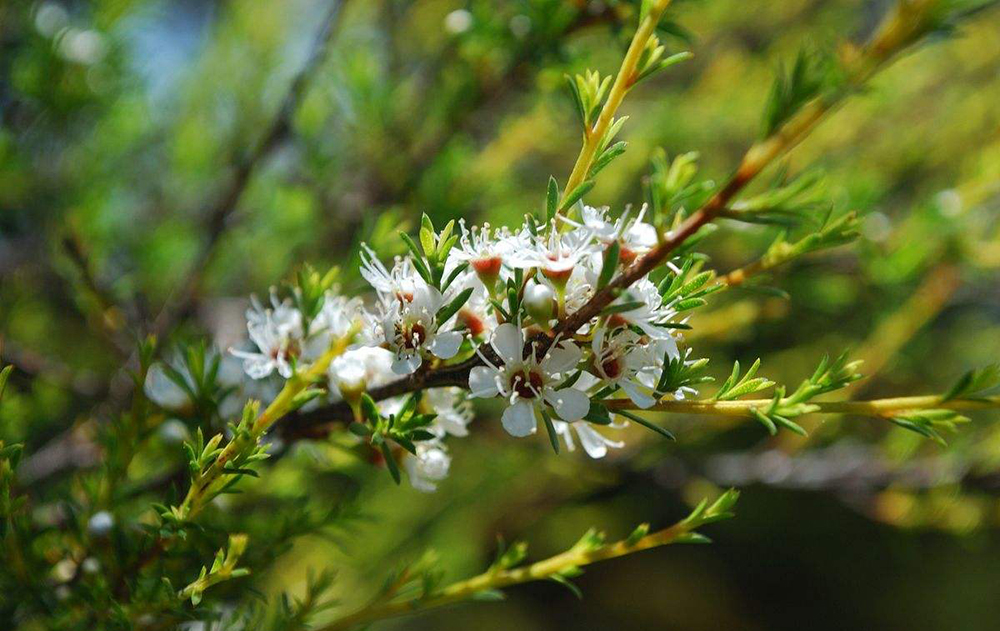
<point x="540" y="301"/>
<point x="100" y="524"/>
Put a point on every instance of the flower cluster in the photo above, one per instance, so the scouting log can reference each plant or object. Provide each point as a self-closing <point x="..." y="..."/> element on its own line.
<point x="490" y="299"/>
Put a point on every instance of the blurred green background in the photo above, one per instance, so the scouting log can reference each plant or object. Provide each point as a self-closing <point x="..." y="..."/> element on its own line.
<point x="160" y="161"/>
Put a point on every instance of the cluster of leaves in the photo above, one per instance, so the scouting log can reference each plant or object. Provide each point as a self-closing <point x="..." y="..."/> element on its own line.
<point x="404" y="428"/>
<point x="930" y="423"/>
<point x="813" y="74"/>
<point x="197" y="377"/>
<point x="244" y="449"/>
<point x="828" y="377"/>
<point x="672" y="191"/>
<point x="429" y="259"/>
<point x="223" y="569"/>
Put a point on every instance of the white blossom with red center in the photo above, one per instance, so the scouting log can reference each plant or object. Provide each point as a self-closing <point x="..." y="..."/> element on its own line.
<point x="529" y="383"/>
<point x="407" y="325"/>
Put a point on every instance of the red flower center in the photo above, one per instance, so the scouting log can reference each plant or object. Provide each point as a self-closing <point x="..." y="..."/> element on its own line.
<point x="526" y="384"/>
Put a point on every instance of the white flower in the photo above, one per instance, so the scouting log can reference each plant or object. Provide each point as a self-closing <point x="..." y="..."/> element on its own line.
<point x="620" y="358"/>
<point x="633" y="235"/>
<point x="453" y="410"/>
<point x="284" y="317"/>
<point x="594" y="443"/>
<point x="335" y="320"/>
<point x="359" y="369"/>
<point x="650" y="315"/>
<point x="399" y="283"/>
<point x="277" y="333"/>
<point x="476" y="316"/>
<point x="483" y="249"/>
<point x="527" y="382"/>
<point x="408" y="326"/>
<point x="556" y="255"/>
<point x="428" y="467"/>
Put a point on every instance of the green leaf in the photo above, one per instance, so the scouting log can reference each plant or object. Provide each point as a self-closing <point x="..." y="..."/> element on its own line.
<point x="582" y="189"/>
<point x="4" y="376"/>
<point x="648" y="425"/>
<point x="551" y="429"/>
<point x="390" y="463"/>
<point x="453" y="307"/>
<point x="418" y="259"/>
<point x="765" y="420"/>
<point x="734" y="387"/>
<point x="552" y="199"/>
<point x="565" y="582"/>
<point x="975" y="382"/>
<point x="607" y="156"/>
<point x="597" y="414"/>
<point x="609" y="266"/>
<point x="640" y="531"/>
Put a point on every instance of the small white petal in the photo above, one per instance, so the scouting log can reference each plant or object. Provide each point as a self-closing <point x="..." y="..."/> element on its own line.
<point x="482" y="382"/>
<point x="519" y="419"/>
<point x="594" y="443"/>
<point x="638" y="397"/>
<point x="406" y="364"/>
<point x="508" y="343"/>
<point x="445" y="345"/>
<point x="561" y="358"/>
<point x="569" y="403"/>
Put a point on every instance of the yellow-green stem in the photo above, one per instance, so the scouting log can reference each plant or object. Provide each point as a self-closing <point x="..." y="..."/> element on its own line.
<point x="281" y="405"/>
<point x="877" y="407"/>
<point x="623" y="81"/>
<point x="499" y="578"/>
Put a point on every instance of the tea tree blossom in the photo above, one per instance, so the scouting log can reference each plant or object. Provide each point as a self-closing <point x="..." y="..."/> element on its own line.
<point x="594" y="443"/>
<point x="618" y="358"/>
<point x="428" y="466"/>
<point x="278" y="338"/>
<point x="528" y="383"/>
<point x="409" y="327"/>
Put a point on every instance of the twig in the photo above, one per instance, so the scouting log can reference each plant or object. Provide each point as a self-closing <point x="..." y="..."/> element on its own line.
<point x="880" y="408"/>
<point x="623" y="81"/>
<point x="556" y="567"/>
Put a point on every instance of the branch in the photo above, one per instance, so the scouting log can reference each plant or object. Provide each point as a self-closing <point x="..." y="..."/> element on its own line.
<point x="879" y="408"/>
<point x="590" y="549"/>
<point x="624" y="80"/>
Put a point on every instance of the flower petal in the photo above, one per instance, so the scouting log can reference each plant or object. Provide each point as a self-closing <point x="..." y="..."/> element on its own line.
<point x="593" y="442"/>
<point x="483" y="382"/>
<point x="519" y="419"/>
<point x="406" y="364"/>
<point x="638" y="397"/>
<point x="445" y="345"/>
<point x="508" y="343"/>
<point x="561" y="358"/>
<point x="569" y="403"/>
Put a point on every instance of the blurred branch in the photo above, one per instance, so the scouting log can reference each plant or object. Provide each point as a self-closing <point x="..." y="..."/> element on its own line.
<point x="219" y="212"/>
<point x="893" y="332"/>
<point x="108" y="317"/>
<point x="879" y="408"/>
<point x="38" y="366"/>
